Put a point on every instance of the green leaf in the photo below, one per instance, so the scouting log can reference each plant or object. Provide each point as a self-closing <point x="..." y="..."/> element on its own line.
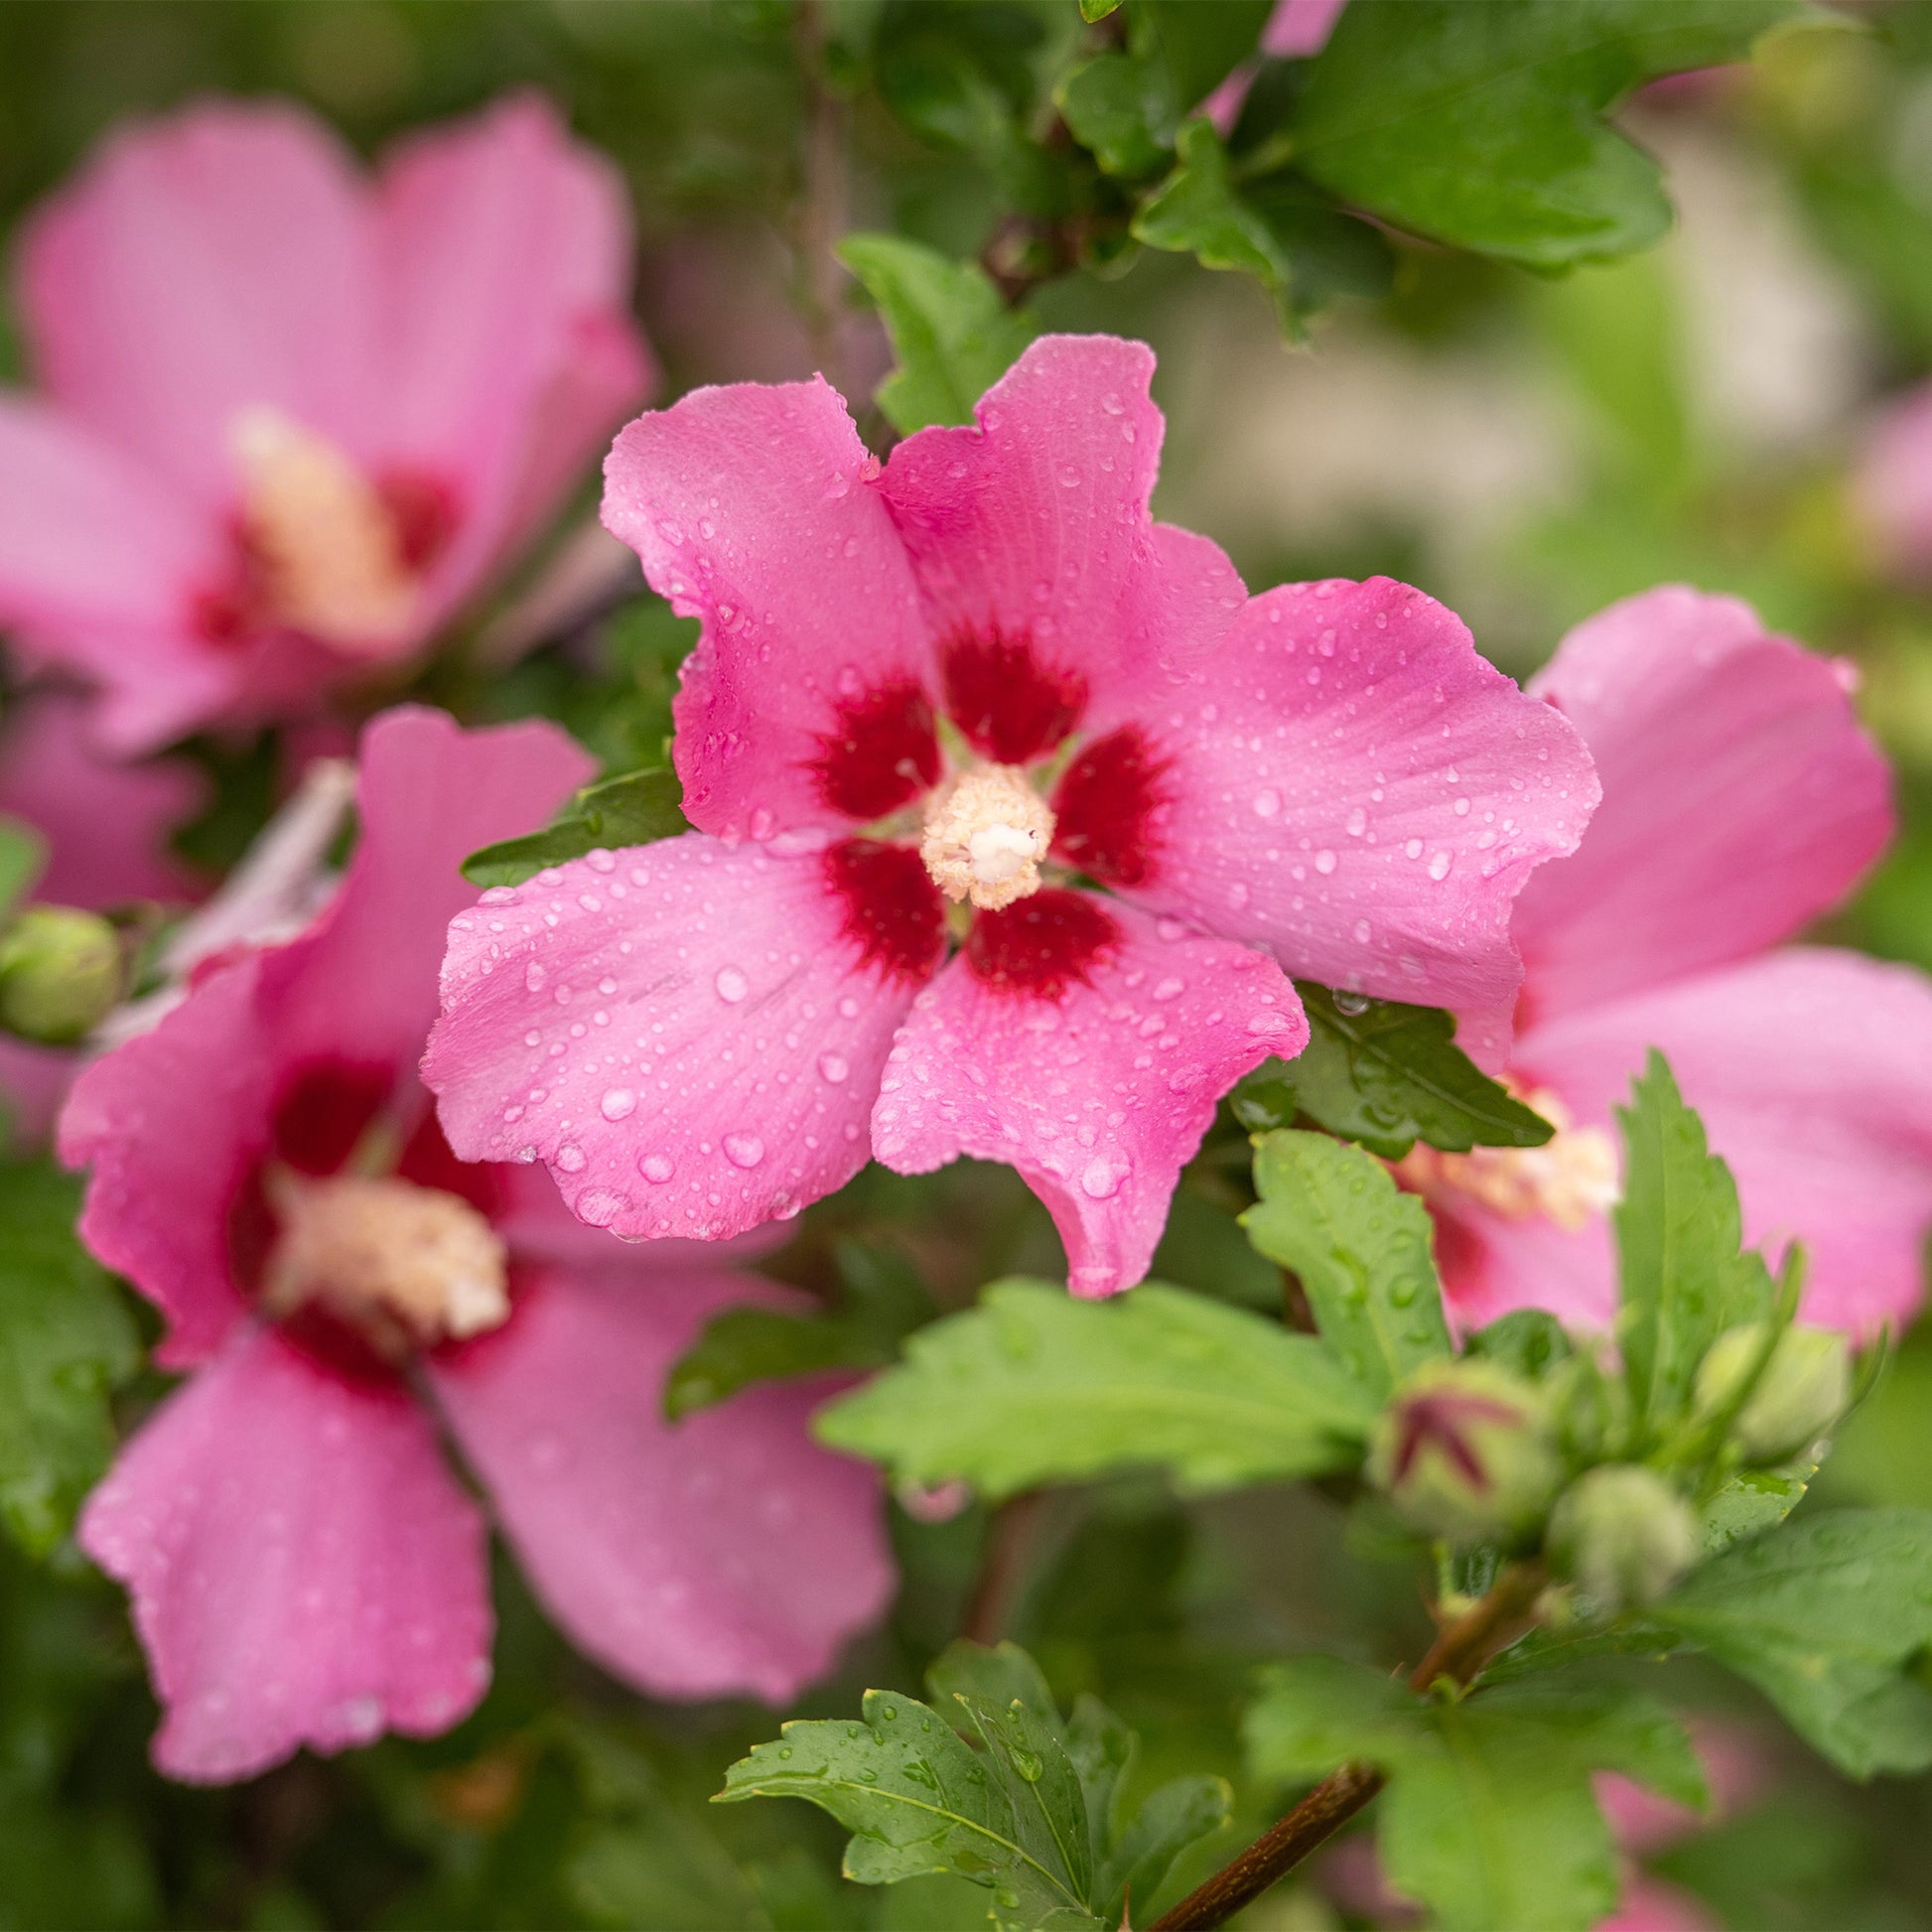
<point x="1529" y="1342"/>
<point x="1822" y="1618"/>
<point x="989" y="1783"/>
<point x="65" y="1342"/>
<point x="1482" y="126"/>
<point x="1124" y="110"/>
<point x="953" y="334"/>
<point x="1751" y="1502"/>
<point x="1386" y="1075"/>
<point x="1678" y="1232"/>
<point x="1034" y="1386"/>
<point x="1361" y="1248"/>
<point x="1489" y="1819"/>
<point x="636" y="809"/>
<point x="23" y="858"/>
<point x="1092" y="9"/>
<point x="882" y="1301"/>
<point x="1196" y="212"/>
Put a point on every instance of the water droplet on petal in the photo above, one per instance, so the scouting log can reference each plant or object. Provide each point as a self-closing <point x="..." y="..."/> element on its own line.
<point x="657" y="1167"/>
<point x="743" y="1150"/>
<point x="1101" y="1179"/>
<point x="534" y="977"/>
<point x="1324" y="860"/>
<point x="617" y="1103"/>
<point x="570" y="1158"/>
<point x="834" y="1067"/>
<point x="732" y="985"/>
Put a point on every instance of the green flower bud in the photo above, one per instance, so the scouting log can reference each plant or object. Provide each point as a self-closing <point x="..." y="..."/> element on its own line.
<point x="61" y="974"/>
<point x="1464" y="1452"/>
<point x="1624" y="1534"/>
<point x="1803" y="1390"/>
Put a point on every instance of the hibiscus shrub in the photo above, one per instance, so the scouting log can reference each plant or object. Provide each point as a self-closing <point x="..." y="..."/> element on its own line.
<point x="1185" y="1240"/>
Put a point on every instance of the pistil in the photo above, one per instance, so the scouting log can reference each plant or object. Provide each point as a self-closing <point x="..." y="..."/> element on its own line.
<point x="407" y="1266"/>
<point x="986" y="832"/>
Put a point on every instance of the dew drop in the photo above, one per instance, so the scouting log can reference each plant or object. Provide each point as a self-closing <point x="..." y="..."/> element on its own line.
<point x="833" y="1068"/>
<point x="732" y="985"/>
<point x="1324" y="860"/>
<point x="1101" y="1179"/>
<point x="743" y="1150"/>
<point x="1351" y="1003"/>
<point x="1267" y="803"/>
<point x="657" y="1168"/>
<point x="1439" y="865"/>
<point x="534" y="977"/>
<point x="570" y="1158"/>
<point x="617" y="1103"/>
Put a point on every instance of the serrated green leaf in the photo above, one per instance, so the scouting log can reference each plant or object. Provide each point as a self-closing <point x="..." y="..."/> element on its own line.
<point x="23" y="858"/>
<point x="1822" y="1618"/>
<point x="883" y="1300"/>
<point x="636" y="809"/>
<point x="1386" y="1075"/>
<point x="1482" y="126"/>
<point x="913" y="1795"/>
<point x="1092" y="9"/>
<point x="1489" y="1819"/>
<point x="1034" y="1386"/>
<point x="1683" y="1277"/>
<point x="1529" y="1342"/>
<point x="1361" y="1248"/>
<point x="953" y="334"/>
<point x="65" y="1342"/>
<point x="1196" y="212"/>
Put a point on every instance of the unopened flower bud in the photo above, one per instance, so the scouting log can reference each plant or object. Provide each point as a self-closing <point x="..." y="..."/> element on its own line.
<point x="61" y="974"/>
<point x="1464" y="1452"/>
<point x="1803" y="1390"/>
<point x="1624" y="1534"/>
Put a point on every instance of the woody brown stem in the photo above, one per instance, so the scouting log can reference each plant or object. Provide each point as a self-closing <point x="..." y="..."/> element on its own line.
<point x="1461" y="1650"/>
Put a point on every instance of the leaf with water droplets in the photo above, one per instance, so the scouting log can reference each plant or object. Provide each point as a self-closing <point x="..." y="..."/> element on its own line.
<point x="1361" y="1247"/>
<point x="636" y="809"/>
<point x="1034" y="1386"/>
<point x="882" y="1301"/>
<point x="1386" y="1075"/>
<point x="65" y="1342"/>
<point x="1826" y="1617"/>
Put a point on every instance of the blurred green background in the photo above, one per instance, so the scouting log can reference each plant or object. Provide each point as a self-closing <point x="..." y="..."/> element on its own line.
<point x="1524" y="448"/>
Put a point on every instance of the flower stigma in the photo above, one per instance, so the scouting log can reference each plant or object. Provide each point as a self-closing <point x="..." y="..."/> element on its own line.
<point x="985" y="834"/>
<point x="1570" y="1179"/>
<point x="328" y="547"/>
<point x="408" y="1266"/>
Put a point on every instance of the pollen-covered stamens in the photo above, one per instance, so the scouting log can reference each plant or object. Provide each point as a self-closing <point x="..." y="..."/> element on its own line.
<point x="324" y="539"/>
<point x="1570" y="1179"/>
<point x="407" y="1266"/>
<point x="986" y="833"/>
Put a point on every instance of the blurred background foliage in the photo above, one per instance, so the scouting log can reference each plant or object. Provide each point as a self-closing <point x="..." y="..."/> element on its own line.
<point x="1524" y="447"/>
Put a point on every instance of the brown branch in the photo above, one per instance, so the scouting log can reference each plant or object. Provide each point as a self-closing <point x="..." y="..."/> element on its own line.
<point x="1461" y="1650"/>
<point x="1011" y="1532"/>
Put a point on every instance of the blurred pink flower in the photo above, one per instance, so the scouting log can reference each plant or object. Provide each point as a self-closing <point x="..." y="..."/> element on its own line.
<point x="1892" y="483"/>
<point x="701" y="1034"/>
<point x="1740" y="802"/>
<point x="305" y="1566"/>
<point x="292" y="419"/>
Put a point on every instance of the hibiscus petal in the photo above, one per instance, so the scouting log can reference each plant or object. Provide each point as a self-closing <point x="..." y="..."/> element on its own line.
<point x="1032" y="527"/>
<point x="303" y="1568"/>
<point x="201" y="265"/>
<point x="682" y="1031"/>
<point x="171" y="1123"/>
<point x="1808" y="1067"/>
<point x="1741" y="798"/>
<point x="107" y="824"/>
<point x="1098" y="1096"/>
<point x="361" y="984"/>
<point x="723" y="1555"/>
<point x="505" y="253"/>
<point x="1350" y="785"/>
<point x="100" y="564"/>
<point x="755" y="508"/>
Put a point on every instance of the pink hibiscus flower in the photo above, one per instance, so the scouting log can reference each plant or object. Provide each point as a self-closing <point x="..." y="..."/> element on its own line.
<point x="981" y="695"/>
<point x="1740" y="802"/>
<point x="293" y="419"/>
<point x="305" y="1566"/>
